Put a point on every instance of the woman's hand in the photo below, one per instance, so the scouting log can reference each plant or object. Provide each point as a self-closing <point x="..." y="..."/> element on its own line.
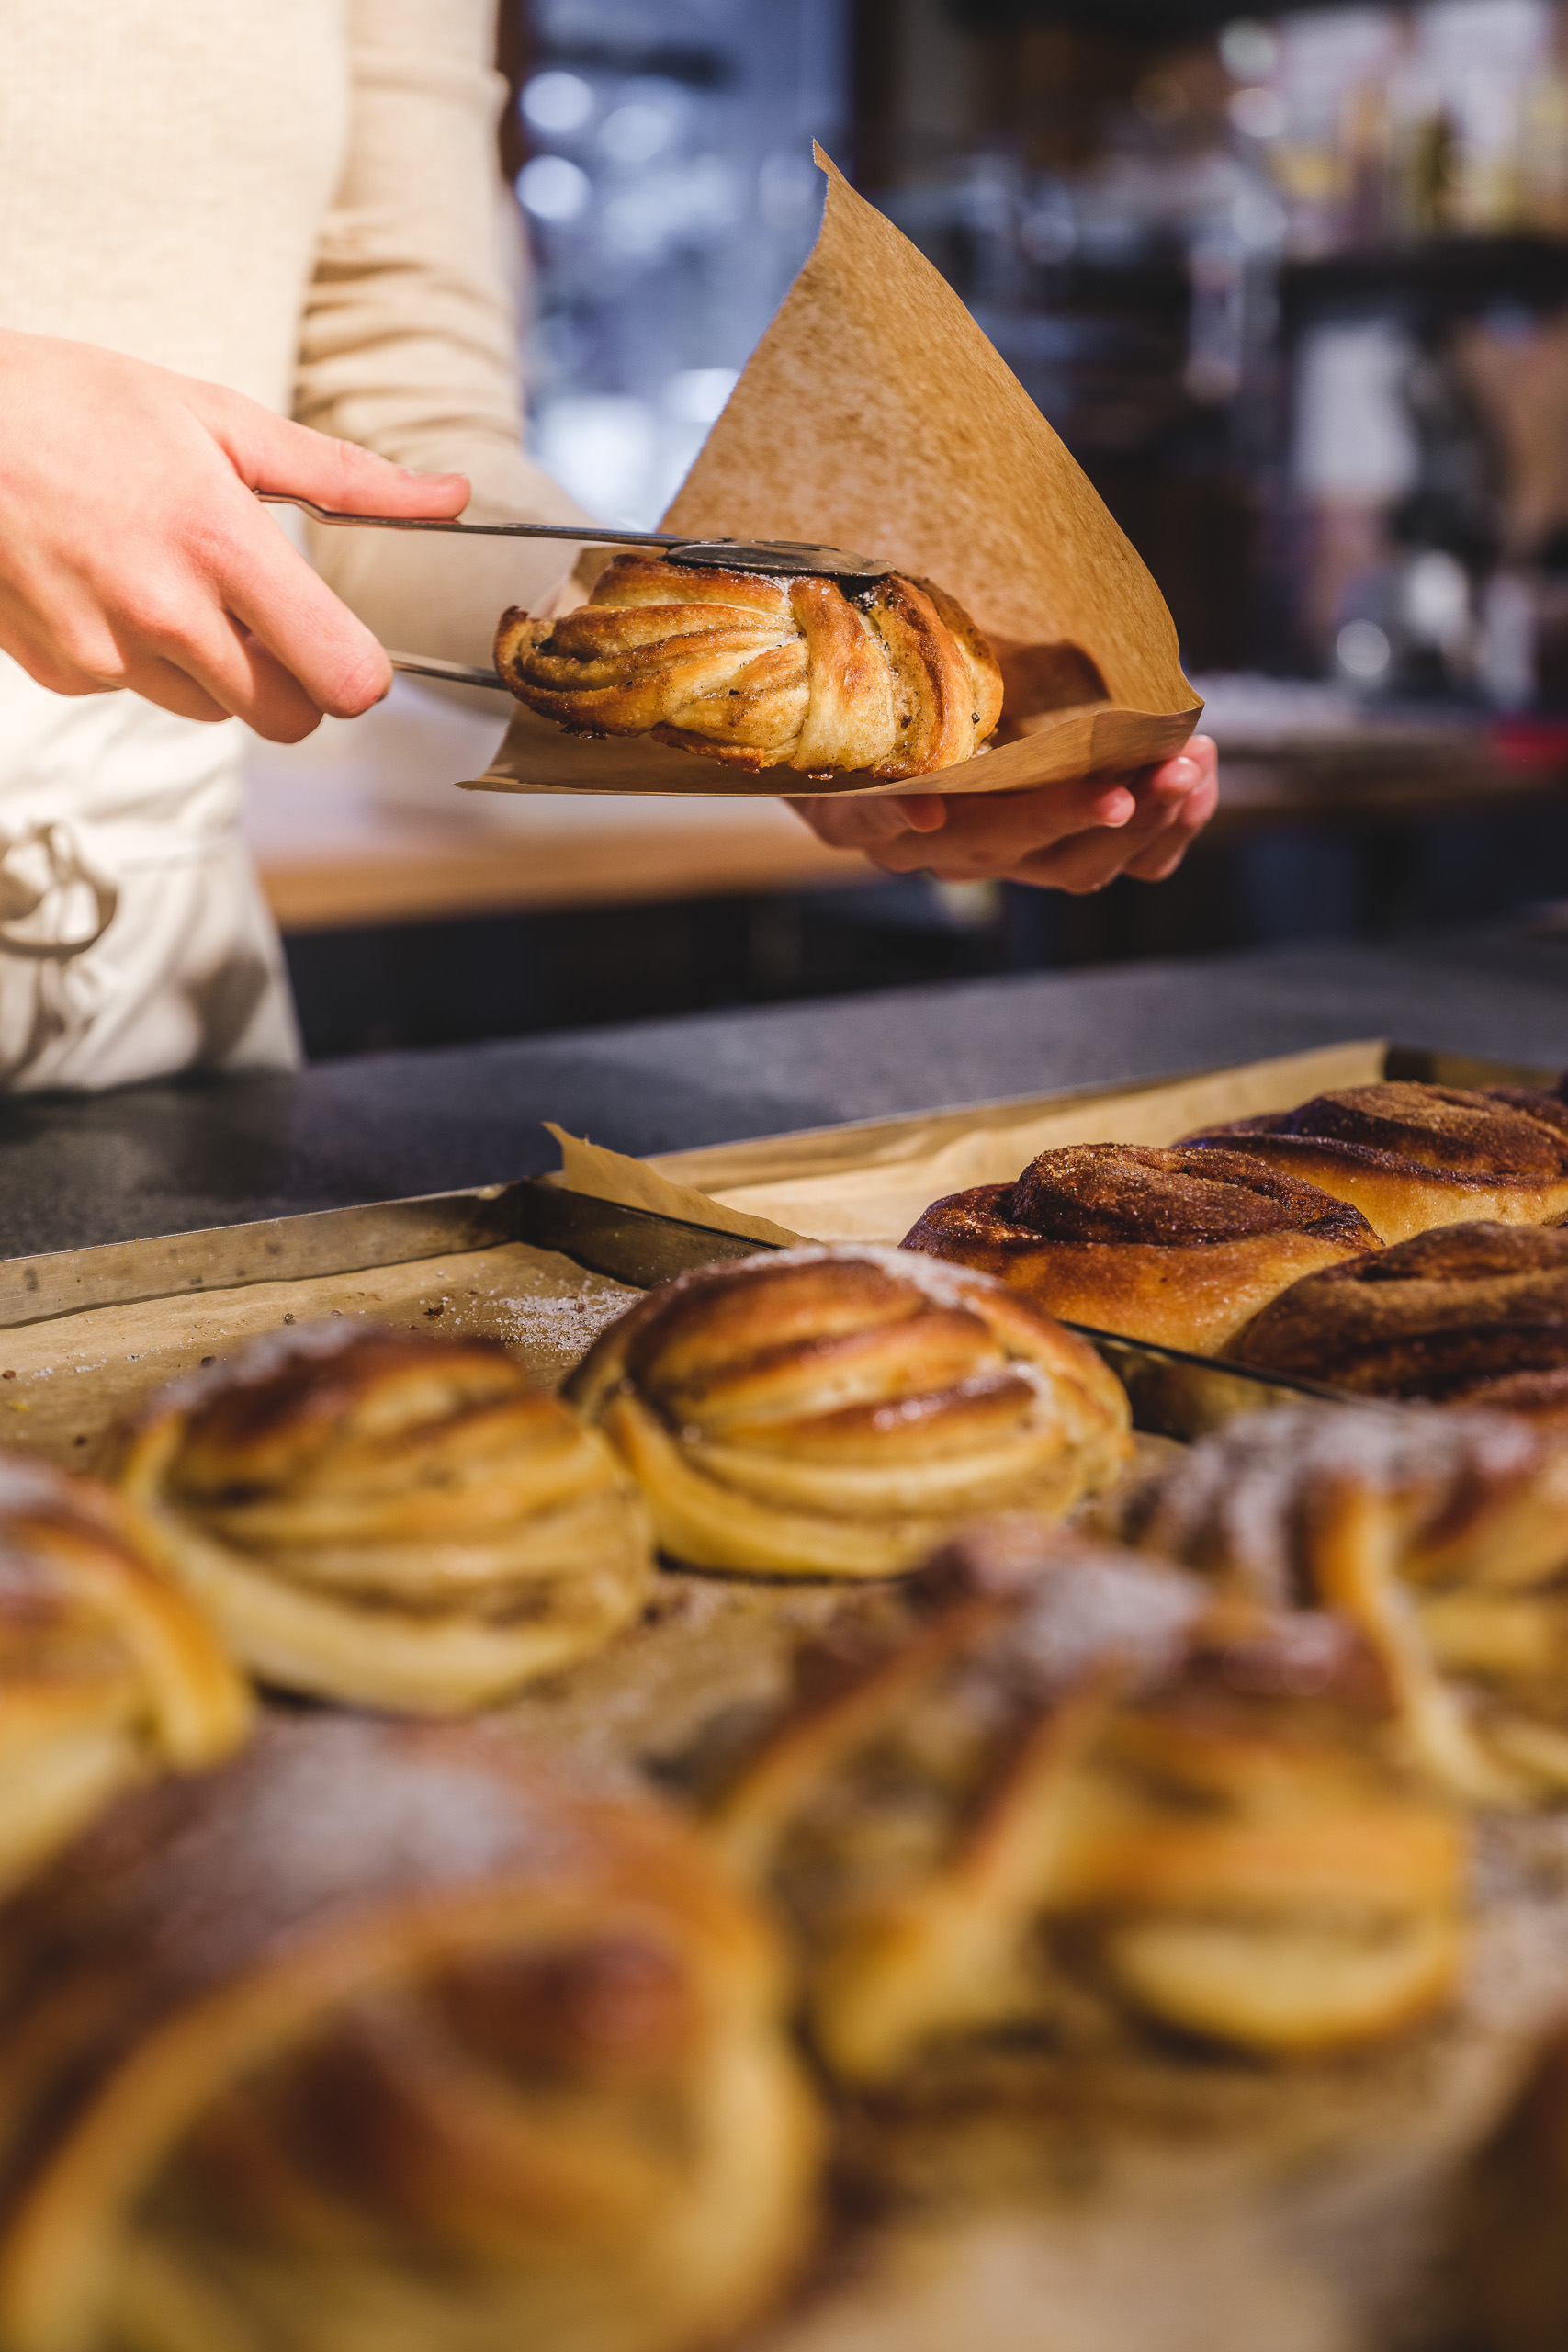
<point x="132" y="553"/>
<point x="1074" y="837"/>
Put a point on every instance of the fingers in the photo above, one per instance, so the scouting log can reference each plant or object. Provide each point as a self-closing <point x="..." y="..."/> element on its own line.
<point x="988" y="838"/>
<point x="1076" y="837"/>
<point x="1159" y="862"/>
<point x="1174" y="804"/>
<point x="852" y="823"/>
<point x="305" y="651"/>
<point x="270" y="452"/>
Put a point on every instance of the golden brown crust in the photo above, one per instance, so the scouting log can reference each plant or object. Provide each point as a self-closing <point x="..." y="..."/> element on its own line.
<point x="1443" y="1535"/>
<point x="383" y="2029"/>
<point x="1413" y="1156"/>
<point x="1065" y="1788"/>
<point x="390" y="1519"/>
<point x="838" y="1412"/>
<point x="1180" y="1246"/>
<point x="759" y="672"/>
<point x="109" y="1672"/>
<point x="1468" y="1314"/>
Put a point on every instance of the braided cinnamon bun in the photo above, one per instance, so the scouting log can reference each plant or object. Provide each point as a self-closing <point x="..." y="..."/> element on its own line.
<point x="1412" y="1157"/>
<point x="1468" y="1314"/>
<point x="391" y="1520"/>
<point x="1179" y="1245"/>
<point x="1442" y="1535"/>
<point x="109" y="1672"/>
<point x="380" y="2037"/>
<point x="1062" y="1796"/>
<point x="838" y="1412"/>
<point x="893" y="680"/>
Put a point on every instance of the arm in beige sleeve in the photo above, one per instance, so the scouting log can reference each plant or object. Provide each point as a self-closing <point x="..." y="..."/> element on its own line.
<point x="410" y="342"/>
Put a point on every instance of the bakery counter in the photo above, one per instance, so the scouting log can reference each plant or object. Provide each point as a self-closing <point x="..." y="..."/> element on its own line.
<point x="161" y="1158"/>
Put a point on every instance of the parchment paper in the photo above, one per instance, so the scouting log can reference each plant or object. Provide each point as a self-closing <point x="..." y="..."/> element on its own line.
<point x="67" y="1380"/>
<point x="875" y="416"/>
<point x="850" y="1184"/>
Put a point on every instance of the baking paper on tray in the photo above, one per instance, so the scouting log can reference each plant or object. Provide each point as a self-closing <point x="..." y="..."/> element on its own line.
<point x="875" y="415"/>
<point x="854" y="1188"/>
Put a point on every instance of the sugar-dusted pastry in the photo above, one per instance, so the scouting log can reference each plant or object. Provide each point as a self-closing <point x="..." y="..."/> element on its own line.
<point x="1180" y="1246"/>
<point x="1466" y="1313"/>
<point x="388" y="1520"/>
<point x="1059" y="1796"/>
<point x="1441" y="1534"/>
<point x="382" y="2040"/>
<point x="1411" y="1157"/>
<point x="893" y="679"/>
<point x="108" y="1671"/>
<point x="839" y="1411"/>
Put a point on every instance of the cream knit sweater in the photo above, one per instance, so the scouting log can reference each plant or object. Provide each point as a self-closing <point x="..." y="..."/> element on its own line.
<point x="299" y="198"/>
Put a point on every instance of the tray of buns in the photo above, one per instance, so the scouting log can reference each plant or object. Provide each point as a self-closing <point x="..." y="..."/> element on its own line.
<point x="609" y="1772"/>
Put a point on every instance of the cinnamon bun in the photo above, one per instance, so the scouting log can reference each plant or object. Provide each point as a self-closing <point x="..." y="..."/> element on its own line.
<point x="1180" y="1246"/>
<point x="1412" y="1157"/>
<point x="387" y="1519"/>
<point x="839" y="1411"/>
<point x="758" y="673"/>
<point x="108" y="1671"/>
<point x="1441" y="1534"/>
<point x="382" y="2036"/>
<point x="1063" y="1795"/>
<point x="1466" y="1313"/>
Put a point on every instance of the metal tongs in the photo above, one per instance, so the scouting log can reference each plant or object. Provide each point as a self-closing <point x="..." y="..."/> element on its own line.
<point x="782" y="558"/>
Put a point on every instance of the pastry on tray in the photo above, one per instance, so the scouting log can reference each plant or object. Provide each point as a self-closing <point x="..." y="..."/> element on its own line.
<point x="108" y="1671"/>
<point x="1063" y="1803"/>
<point x="1466" y="1314"/>
<point x="382" y="2036"/>
<point x="892" y="680"/>
<point x="390" y="1519"/>
<point x="1410" y="1157"/>
<point x="838" y="1412"/>
<point x="1180" y="1246"/>
<point x="1442" y="1534"/>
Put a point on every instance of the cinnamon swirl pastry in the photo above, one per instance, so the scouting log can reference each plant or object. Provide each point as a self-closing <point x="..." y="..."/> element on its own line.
<point x="380" y="2037"/>
<point x="1468" y="1314"/>
<point x="838" y="1412"/>
<point x="391" y="1520"/>
<point x="1442" y="1535"/>
<point x="761" y="672"/>
<point x="1412" y="1157"/>
<point x="1061" y="1797"/>
<point x="1179" y="1245"/>
<point x="109" y="1672"/>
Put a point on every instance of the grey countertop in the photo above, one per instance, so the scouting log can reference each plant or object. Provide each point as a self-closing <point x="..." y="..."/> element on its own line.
<point x="159" y="1159"/>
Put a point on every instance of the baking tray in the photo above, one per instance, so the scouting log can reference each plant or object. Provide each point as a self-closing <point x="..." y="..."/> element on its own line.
<point x="1174" y="1394"/>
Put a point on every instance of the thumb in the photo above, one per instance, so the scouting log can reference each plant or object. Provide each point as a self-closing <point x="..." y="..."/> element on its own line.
<point x="272" y="453"/>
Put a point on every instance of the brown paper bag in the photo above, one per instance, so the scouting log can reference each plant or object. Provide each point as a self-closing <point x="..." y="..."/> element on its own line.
<point x="875" y="415"/>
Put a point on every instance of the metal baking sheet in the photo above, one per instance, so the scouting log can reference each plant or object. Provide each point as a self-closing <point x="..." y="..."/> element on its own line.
<point x="1174" y="1394"/>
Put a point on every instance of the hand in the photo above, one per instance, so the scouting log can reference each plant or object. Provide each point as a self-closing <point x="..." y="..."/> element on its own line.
<point x="132" y="553"/>
<point x="1074" y="837"/>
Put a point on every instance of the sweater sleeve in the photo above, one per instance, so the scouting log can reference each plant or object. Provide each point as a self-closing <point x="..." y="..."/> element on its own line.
<point x="410" y="341"/>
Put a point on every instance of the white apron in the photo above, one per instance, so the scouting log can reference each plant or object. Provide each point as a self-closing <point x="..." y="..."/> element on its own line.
<point x="134" y="939"/>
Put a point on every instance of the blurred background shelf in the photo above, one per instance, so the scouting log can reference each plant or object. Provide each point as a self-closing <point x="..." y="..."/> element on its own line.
<point x="331" y="862"/>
